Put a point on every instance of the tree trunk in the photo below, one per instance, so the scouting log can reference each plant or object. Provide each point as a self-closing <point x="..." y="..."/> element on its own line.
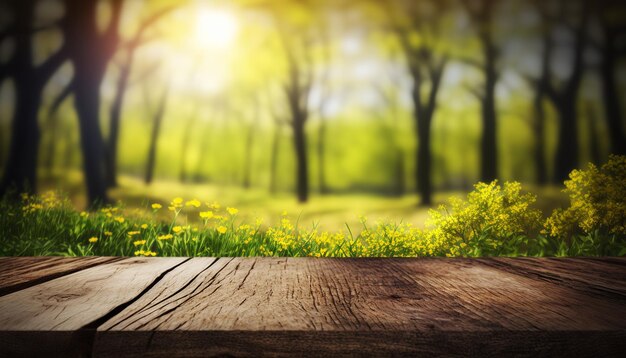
<point x="29" y="81"/>
<point x="274" y="159"/>
<point x="567" y="149"/>
<point x="20" y="170"/>
<point x="87" y="105"/>
<point x="489" y="148"/>
<point x="154" y="136"/>
<point x="424" y="157"/>
<point x="299" y="142"/>
<point x="566" y="102"/>
<point x="321" y="159"/>
<point x="592" y="125"/>
<point x="610" y="97"/>
<point x="541" y="173"/>
<point x="90" y="51"/>
<point x="114" y="129"/>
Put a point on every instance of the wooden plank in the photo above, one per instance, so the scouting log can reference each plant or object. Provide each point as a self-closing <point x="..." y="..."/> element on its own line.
<point x="268" y="303"/>
<point x="59" y="309"/>
<point x="361" y="343"/>
<point x="17" y="273"/>
<point x="591" y="276"/>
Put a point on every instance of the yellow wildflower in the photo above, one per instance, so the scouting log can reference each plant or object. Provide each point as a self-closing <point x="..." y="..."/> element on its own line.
<point x="194" y="202"/>
<point x="133" y="233"/>
<point x="206" y="214"/>
<point x="221" y="229"/>
<point x="93" y="239"/>
<point x="164" y="237"/>
<point x="177" y="229"/>
<point x="108" y="233"/>
<point x="144" y="226"/>
<point x="139" y="242"/>
<point x="119" y="219"/>
<point x="156" y="206"/>
<point x="232" y="211"/>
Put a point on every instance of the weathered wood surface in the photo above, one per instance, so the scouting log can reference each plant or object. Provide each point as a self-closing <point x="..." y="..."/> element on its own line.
<point x="296" y="306"/>
<point x="20" y="272"/>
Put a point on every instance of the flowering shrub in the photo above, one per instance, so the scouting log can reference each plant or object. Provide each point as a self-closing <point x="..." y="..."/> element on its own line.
<point x="597" y="205"/>
<point x="492" y="221"/>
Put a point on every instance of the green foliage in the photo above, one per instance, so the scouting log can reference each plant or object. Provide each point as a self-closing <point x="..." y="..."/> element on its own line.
<point x="493" y="220"/>
<point x="595" y="221"/>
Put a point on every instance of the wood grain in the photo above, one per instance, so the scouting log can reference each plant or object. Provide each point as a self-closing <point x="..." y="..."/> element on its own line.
<point x="60" y="308"/>
<point x="17" y="273"/>
<point x="321" y="307"/>
<point x="601" y="278"/>
<point x="265" y="303"/>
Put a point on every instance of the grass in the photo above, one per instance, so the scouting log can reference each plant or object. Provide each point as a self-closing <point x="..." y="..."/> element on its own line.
<point x="330" y="212"/>
<point x="492" y="220"/>
<point x="153" y="226"/>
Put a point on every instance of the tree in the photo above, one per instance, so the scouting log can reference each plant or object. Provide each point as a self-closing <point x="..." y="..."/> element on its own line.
<point x="426" y="64"/>
<point x="296" y="41"/>
<point x="29" y="81"/>
<point x="612" y="18"/>
<point x="389" y="96"/>
<point x="125" y="66"/>
<point x="540" y="85"/>
<point x="574" y="16"/>
<point x="157" y="120"/>
<point x="481" y="14"/>
<point x="90" y="51"/>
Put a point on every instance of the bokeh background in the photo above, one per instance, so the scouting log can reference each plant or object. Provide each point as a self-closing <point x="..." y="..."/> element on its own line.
<point x="326" y="109"/>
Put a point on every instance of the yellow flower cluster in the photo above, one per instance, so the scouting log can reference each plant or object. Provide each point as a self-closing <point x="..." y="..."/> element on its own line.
<point x="597" y="201"/>
<point x="48" y="200"/>
<point x="145" y="253"/>
<point x="491" y="215"/>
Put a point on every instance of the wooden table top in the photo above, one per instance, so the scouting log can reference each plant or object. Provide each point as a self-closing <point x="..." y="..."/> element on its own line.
<point x="109" y="306"/>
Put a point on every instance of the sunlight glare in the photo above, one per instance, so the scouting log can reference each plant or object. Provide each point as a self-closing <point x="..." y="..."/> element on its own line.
<point x="216" y="28"/>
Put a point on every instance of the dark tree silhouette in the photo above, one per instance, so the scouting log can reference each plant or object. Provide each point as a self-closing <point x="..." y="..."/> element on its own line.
<point x="297" y="90"/>
<point x="125" y="67"/>
<point x="612" y="49"/>
<point x="481" y="13"/>
<point x="90" y="51"/>
<point x="540" y="85"/>
<point x="594" y="135"/>
<point x="574" y="15"/>
<point x="29" y="80"/>
<point x="426" y="67"/>
<point x="157" y="117"/>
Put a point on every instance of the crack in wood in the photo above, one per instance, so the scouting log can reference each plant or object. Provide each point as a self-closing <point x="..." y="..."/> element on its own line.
<point x="85" y="335"/>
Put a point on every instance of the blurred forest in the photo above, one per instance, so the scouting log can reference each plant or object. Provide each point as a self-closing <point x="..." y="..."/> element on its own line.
<point x="307" y="97"/>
